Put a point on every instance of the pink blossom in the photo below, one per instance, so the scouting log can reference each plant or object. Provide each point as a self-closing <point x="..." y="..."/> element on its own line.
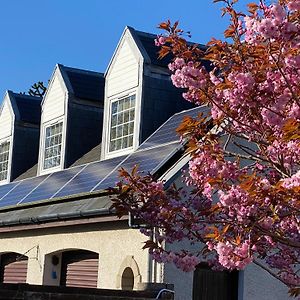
<point x="159" y="41"/>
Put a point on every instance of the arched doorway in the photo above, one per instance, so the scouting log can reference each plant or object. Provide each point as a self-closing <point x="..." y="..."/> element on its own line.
<point x="79" y="268"/>
<point x="127" y="282"/>
<point x="13" y="268"/>
<point x="129" y="275"/>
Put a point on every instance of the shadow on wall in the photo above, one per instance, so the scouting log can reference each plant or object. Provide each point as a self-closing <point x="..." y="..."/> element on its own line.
<point x="71" y="268"/>
<point x="13" y="267"/>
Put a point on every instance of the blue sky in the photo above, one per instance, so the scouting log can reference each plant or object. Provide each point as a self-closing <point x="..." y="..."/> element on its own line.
<point x="37" y="34"/>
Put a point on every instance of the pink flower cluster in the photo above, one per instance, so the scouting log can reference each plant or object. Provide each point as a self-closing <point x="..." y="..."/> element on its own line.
<point x="204" y="166"/>
<point x="184" y="262"/>
<point x="160" y="41"/>
<point x="188" y="75"/>
<point x="274" y="24"/>
<point x="237" y="204"/>
<point x="242" y="199"/>
<point x="291" y="182"/>
<point x="232" y="256"/>
<point x="286" y="153"/>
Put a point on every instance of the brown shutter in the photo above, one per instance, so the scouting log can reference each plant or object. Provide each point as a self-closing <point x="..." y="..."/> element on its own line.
<point x="13" y="268"/>
<point x="213" y="285"/>
<point x="79" y="269"/>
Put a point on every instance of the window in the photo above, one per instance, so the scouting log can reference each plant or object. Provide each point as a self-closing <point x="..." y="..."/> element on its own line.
<point x="4" y="156"/>
<point x="122" y="123"/>
<point x="53" y="143"/>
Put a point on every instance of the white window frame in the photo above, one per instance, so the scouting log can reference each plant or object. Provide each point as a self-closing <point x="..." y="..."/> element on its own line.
<point x="43" y="142"/>
<point x="128" y="149"/>
<point x="2" y="141"/>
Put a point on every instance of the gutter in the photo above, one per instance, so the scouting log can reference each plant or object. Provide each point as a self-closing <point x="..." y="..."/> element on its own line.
<point x="57" y="217"/>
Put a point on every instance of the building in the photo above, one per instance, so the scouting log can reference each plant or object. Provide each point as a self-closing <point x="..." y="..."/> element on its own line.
<point x="59" y="154"/>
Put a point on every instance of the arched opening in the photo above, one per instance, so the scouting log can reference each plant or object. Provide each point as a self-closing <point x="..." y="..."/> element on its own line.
<point x="79" y="268"/>
<point x="127" y="279"/>
<point x="13" y="268"/>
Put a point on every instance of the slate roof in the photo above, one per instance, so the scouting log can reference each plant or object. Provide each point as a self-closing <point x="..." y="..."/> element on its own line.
<point x="88" y="85"/>
<point x="85" y="207"/>
<point x="147" y="42"/>
<point x="93" y="155"/>
<point x="29" y="107"/>
<point x="32" y="172"/>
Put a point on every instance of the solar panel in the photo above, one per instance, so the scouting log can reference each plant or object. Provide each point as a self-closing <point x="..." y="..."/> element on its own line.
<point x="159" y="147"/>
<point x="148" y="161"/>
<point x="89" y="177"/>
<point x="5" y="189"/>
<point x="21" y="190"/>
<point x="166" y="133"/>
<point x="51" y="185"/>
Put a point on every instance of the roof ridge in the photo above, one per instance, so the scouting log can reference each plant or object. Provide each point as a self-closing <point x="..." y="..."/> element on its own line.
<point x="36" y="98"/>
<point x="82" y="71"/>
<point x="149" y="34"/>
<point x="145" y="33"/>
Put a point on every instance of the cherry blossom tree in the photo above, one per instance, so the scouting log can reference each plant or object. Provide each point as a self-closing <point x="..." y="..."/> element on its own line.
<point x="243" y="202"/>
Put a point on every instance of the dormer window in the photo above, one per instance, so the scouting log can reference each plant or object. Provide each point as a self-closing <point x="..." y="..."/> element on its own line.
<point x="53" y="146"/>
<point x="122" y="123"/>
<point x="4" y="159"/>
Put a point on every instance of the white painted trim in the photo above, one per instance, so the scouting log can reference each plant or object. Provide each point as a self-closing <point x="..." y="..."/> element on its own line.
<point x="56" y="73"/>
<point x="43" y="171"/>
<point x="9" y="163"/>
<point x="131" y="39"/>
<point x="12" y="105"/>
<point x="135" y="51"/>
<point x="9" y="100"/>
<point x="65" y="79"/>
<point x="174" y="169"/>
<point x="109" y="102"/>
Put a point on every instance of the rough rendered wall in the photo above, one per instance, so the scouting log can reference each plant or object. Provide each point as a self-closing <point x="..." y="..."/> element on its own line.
<point x="113" y="242"/>
<point x="258" y="284"/>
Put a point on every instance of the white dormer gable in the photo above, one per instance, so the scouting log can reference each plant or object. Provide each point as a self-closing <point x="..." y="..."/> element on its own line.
<point x="123" y="93"/>
<point x="53" y="125"/>
<point x="7" y="118"/>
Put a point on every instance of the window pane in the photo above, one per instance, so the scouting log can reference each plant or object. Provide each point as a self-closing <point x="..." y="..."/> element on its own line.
<point x="126" y="116"/>
<point x="126" y="129"/>
<point x="114" y="108"/>
<point x="113" y="133"/>
<point x="114" y="120"/>
<point x="53" y="141"/>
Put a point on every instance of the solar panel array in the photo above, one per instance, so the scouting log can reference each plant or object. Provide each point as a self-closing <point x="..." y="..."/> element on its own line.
<point x="95" y="176"/>
<point x="166" y="133"/>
